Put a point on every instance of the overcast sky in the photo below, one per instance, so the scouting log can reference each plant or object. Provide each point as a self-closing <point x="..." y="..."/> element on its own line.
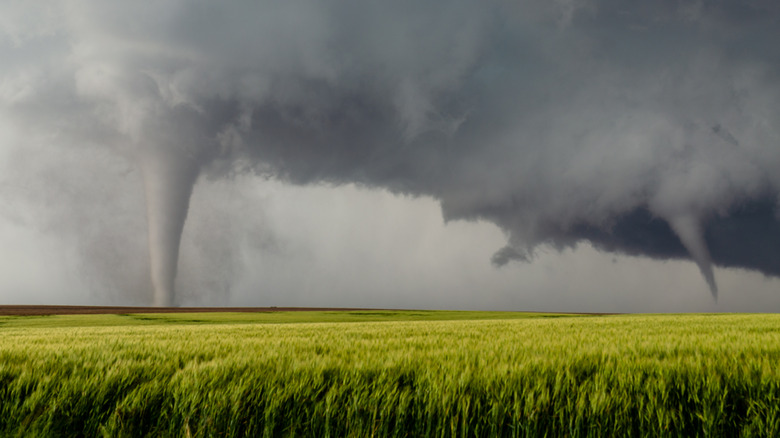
<point x="597" y="156"/>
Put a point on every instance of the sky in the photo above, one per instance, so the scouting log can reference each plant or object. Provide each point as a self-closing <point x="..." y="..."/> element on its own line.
<point x="578" y="156"/>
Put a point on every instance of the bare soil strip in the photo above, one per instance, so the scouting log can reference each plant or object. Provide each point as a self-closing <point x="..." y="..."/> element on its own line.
<point x="24" y="310"/>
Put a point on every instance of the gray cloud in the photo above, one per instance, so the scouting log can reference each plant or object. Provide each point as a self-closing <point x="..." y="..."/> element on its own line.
<point x="646" y="129"/>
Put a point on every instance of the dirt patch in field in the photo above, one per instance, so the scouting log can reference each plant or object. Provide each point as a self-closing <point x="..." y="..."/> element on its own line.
<point x="21" y="310"/>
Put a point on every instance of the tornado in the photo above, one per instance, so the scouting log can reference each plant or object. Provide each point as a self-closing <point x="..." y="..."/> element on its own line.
<point x="168" y="180"/>
<point x="691" y="235"/>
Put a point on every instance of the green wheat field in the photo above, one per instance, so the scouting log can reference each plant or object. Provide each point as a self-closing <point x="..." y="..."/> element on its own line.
<point x="390" y="374"/>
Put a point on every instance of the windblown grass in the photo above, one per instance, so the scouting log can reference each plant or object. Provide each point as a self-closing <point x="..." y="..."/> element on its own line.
<point x="228" y="375"/>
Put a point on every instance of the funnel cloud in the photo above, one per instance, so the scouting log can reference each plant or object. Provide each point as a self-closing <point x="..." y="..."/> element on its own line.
<point x="168" y="181"/>
<point x="648" y="129"/>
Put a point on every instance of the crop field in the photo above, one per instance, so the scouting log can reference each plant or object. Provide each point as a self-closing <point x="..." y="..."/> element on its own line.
<point x="385" y="373"/>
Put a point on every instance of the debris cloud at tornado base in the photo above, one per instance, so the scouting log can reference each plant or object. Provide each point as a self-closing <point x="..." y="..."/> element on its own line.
<point x="645" y="129"/>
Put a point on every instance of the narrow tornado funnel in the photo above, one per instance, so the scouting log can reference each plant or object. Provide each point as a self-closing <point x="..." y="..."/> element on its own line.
<point x="168" y="178"/>
<point x="690" y="232"/>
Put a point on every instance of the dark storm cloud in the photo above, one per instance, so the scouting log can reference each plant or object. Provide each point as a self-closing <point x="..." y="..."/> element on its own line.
<point x="645" y="128"/>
